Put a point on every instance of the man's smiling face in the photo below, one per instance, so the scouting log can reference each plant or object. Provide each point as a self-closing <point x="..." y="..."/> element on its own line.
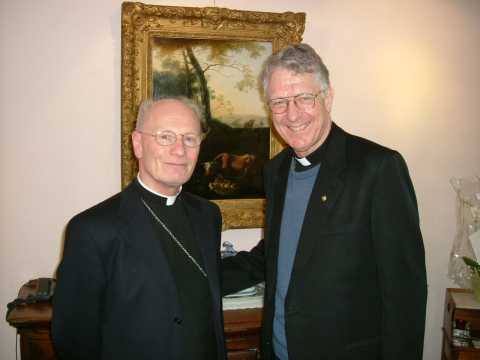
<point x="166" y="168"/>
<point x="302" y="129"/>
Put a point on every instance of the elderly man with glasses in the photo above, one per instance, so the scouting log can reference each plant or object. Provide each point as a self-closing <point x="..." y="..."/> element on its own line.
<point x="342" y="256"/>
<point x="139" y="278"/>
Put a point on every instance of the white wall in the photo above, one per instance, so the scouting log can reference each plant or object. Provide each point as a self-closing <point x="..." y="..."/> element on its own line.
<point x="406" y="75"/>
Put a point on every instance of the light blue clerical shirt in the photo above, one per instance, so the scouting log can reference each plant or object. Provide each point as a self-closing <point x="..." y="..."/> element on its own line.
<point x="299" y="188"/>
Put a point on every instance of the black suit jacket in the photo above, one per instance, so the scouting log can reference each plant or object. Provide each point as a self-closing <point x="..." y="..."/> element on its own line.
<point x="358" y="285"/>
<point x="116" y="297"/>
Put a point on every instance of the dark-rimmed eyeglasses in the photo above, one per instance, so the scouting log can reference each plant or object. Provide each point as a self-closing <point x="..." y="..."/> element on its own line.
<point x="303" y="101"/>
<point x="167" y="137"/>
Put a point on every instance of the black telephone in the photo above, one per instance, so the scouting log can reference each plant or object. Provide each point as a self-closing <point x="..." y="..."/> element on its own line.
<point x="38" y="290"/>
<point x="45" y="289"/>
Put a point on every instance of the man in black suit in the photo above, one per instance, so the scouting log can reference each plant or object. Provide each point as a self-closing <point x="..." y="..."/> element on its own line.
<point x="342" y="255"/>
<point x="139" y="278"/>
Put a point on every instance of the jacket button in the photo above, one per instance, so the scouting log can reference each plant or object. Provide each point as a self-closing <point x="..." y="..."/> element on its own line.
<point x="177" y="320"/>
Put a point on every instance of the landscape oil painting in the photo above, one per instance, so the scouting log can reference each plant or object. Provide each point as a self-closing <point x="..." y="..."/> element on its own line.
<point x="214" y="56"/>
<point x="222" y="77"/>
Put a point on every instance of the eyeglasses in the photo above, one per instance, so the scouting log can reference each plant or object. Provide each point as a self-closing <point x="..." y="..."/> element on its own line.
<point x="167" y="137"/>
<point x="302" y="101"/>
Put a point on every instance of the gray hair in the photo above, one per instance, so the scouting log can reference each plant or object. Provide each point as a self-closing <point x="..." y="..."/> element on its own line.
<point x="147" y="104"/>
<point x="299" y="58"/>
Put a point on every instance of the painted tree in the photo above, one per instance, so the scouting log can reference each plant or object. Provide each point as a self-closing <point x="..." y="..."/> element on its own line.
<point x="190" y="61"/>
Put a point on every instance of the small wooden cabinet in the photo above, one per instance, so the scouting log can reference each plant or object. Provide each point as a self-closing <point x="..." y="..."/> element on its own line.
<point x="460" y="308"/>
<point x="242" y="333"/>
<point x="242" y="330"/>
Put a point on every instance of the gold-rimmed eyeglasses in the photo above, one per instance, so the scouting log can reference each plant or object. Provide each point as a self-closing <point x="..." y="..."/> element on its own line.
<point x="303" y="101"/>
<point x="167" y="137"/>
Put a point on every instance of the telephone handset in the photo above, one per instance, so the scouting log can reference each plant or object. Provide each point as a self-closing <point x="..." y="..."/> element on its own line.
<point x="38" y="290"/>
<point x="45" y="289"/>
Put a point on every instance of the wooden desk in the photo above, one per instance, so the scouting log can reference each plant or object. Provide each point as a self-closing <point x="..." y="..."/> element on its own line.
<point x="242" y="330"/>
<point x="460" y="305"/>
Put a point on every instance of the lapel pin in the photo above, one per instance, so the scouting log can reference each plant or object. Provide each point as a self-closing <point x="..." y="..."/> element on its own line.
<point x="324" y="198"/>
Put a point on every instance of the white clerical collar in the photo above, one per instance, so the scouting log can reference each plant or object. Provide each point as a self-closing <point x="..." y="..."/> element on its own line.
<point x="303" y="161"/>
<point x="170" y="198"/>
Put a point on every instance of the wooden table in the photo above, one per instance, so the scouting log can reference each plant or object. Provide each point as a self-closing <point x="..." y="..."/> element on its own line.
<point x="32" y="321"/>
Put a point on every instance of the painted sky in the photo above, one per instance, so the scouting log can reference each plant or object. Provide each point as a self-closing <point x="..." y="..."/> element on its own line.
<point x="224" y="78"/>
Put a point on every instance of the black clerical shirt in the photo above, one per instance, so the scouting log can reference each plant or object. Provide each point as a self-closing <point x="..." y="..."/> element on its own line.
<point x="193" y="288"/>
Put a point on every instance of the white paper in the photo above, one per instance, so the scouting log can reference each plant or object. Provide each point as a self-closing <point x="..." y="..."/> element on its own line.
<point x="475" y="241"/>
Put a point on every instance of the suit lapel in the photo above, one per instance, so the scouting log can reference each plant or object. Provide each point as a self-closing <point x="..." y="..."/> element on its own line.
<point x="136" y="228"/>
<point x="275" y="202"/>
<point x="326" y="190"/>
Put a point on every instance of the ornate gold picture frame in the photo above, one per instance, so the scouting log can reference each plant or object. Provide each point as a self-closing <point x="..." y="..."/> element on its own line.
<point x="154" y="40"/>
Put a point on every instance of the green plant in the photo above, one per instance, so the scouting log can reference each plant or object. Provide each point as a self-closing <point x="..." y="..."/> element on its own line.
<point x="472" y="264"/>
